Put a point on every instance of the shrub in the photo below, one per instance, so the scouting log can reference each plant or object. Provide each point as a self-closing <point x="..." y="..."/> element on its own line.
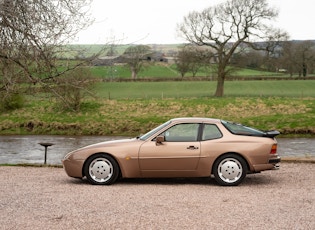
<point x="11" y="101"/>
<point x="72" y="87"/>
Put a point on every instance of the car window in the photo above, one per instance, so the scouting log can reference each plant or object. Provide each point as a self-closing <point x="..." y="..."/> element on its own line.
<point x="211" y="132"/>
<point x="150" y="133"/>
<point x="181" y="133"/>
<point x="240" y="129"/>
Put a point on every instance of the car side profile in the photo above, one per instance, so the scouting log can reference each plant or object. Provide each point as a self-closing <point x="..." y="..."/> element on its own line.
<point x="181" y="147"/>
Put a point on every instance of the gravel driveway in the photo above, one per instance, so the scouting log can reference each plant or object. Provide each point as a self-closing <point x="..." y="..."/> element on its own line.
<point x="45" y="198"/>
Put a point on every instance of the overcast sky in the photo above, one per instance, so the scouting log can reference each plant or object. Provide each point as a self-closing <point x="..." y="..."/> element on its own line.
<point x="155" y="22"/>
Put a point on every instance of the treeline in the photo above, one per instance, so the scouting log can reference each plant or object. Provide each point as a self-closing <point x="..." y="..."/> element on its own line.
<point x="291" y="57"/>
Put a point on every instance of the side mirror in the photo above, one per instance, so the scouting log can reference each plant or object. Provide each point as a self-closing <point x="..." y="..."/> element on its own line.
<point x="159" y="140"/>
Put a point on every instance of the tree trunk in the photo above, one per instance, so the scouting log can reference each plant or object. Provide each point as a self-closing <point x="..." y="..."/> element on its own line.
<point x="133" y="73"/>
<point x="304" y="70"/>
<point x="220" y="82"/>
<point x="220" y="86"/>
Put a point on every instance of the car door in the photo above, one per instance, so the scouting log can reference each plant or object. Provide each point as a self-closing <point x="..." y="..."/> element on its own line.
<point x="180" y="150"/>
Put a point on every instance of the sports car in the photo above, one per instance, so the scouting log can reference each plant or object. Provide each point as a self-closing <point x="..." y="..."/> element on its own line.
<point x="180" y="147"/>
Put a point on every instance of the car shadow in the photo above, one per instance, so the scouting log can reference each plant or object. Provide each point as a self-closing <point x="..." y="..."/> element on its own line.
<point x="250" y="180"/>
<point x="148" y="181"/>
<point x="168" y="181"/>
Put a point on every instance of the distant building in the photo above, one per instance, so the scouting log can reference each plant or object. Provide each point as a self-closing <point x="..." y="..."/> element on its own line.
<point x="112" y="60"/>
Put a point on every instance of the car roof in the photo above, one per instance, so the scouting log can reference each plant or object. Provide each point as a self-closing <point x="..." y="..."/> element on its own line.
<point x="196" y="120"/>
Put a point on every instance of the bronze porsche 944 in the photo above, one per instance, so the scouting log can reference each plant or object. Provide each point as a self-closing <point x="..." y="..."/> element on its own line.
<point x="181" y="147"/>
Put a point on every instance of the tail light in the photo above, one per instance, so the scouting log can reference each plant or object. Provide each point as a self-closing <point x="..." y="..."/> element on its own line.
<point x="273" y="149"/>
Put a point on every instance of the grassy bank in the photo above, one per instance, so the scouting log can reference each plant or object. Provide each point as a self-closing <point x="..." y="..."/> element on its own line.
<point x="134" y="108"/>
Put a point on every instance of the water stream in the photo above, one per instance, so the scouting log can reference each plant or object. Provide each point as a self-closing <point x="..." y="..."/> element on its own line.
<point x="17" y="149"/>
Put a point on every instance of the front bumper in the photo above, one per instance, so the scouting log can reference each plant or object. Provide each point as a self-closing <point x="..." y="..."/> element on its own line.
<point x="73" y="168"/>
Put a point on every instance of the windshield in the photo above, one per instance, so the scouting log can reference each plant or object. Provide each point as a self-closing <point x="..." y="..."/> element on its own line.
<point x="239" y="129"/>
<point x="148" y="134"/>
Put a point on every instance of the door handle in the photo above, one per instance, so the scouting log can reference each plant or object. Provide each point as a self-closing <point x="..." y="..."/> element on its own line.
<point x="192" y="147"/>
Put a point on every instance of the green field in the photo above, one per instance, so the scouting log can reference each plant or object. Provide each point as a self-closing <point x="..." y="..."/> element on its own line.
<point x="160" y="70"/>
<point x="202" y="89"/>
<point x="131" y="108"/>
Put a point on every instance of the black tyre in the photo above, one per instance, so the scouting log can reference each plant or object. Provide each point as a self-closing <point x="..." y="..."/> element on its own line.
<point x="229" y="170"/>
<point x="101" y="169"/>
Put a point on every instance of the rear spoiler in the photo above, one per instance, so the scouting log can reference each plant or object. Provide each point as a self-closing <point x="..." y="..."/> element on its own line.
<point x="271" y="133"/>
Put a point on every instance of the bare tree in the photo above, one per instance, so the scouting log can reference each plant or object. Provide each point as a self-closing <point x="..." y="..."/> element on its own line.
<point x="307" y="54"/>
<point x="73" y="86"/>
<point x="298" y="57"/>
<point x="251" y="59"/>
<point x="191" y="58"/>
<point x="32" y="38"/>
<point x="226" y="26"/>
<point x="183" y="61"/>
<point x="135" y="57"/>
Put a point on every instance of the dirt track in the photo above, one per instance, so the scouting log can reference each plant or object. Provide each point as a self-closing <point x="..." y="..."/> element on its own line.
<point x="45" y="198"/>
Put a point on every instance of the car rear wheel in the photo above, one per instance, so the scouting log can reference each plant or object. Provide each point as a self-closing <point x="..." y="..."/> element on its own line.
<point x="229" y="170"/>
<point x="101" y="169"/>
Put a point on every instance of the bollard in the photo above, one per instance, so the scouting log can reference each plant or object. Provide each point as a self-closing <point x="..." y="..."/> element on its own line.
<point x="46" y="145"/>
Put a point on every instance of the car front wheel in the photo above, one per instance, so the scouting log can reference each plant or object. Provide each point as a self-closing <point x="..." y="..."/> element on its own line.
<point x="101" y="169"/>
<point x="229" y="170"/>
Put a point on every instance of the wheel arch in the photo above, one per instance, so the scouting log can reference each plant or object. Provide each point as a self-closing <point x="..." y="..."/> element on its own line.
<point x="105" y="153"/>
<point x="234" y="153"/>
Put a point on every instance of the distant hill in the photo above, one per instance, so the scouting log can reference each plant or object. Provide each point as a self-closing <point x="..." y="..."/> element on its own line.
<point x="90" y="49"/>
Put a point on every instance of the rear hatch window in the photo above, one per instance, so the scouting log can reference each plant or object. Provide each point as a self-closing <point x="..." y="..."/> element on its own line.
<point x="239" y="129"/>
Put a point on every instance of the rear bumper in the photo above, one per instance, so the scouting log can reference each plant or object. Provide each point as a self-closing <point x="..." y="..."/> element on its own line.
<point x="275" y="160"/>
<point x="271" y="165"/>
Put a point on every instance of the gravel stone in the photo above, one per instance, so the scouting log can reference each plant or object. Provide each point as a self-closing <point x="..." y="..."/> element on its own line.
<point x="46" y="198"/>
